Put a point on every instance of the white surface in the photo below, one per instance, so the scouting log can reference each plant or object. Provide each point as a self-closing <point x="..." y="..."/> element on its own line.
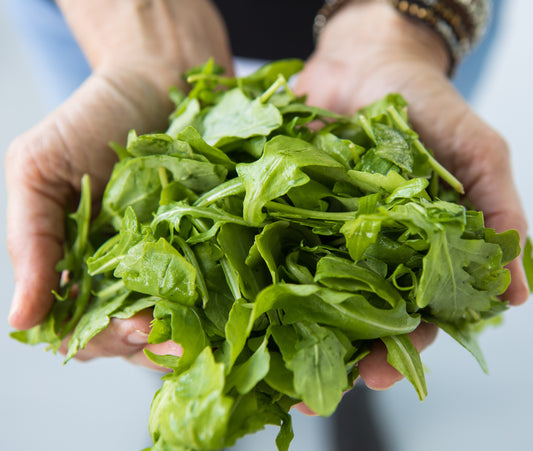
<point x="104" y="405"/>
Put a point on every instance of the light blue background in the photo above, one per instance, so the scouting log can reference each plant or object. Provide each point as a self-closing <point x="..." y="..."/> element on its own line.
<point x="104" y="405"/>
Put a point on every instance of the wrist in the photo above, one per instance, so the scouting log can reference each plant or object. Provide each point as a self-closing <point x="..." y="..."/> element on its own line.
<point x="377" y="30"/>
<point x="157" y="39"/>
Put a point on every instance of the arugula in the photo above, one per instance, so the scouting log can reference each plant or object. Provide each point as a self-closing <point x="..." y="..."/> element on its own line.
<point x="274" y="252"/>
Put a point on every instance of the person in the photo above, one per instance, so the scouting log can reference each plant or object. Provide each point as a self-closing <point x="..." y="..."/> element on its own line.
<point x="137" y="49"/>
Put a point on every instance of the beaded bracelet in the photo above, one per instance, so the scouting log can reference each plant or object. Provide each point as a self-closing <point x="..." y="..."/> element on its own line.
<point x="460" y="23"/>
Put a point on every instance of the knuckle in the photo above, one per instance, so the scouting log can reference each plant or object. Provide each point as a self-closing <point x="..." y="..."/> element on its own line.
<point x="14" y="153"/>
<point x="520" y="224"/>
<point x="37" y="154"/>
<point x="20" y="158"/>
<point x="496" y="148"/>
<point x="488" y="147"/>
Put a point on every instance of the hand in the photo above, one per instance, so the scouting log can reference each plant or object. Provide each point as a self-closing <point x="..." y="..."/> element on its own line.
<point x="368" y="50"/>
<point x="136" y="52"/>
<point x="128" y="339"/>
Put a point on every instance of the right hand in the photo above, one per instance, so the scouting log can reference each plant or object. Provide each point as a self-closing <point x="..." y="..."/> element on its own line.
<point x="136" y="52"/>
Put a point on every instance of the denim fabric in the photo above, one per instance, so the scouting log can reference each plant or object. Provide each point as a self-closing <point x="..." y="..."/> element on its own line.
<point x="53" y="55"/>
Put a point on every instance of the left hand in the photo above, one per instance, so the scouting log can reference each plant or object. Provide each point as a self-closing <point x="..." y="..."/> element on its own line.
<point x="367" y="50"/>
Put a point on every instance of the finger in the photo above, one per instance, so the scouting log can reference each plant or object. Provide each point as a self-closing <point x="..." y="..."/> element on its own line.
<point x="497" y="197"/>
<point x="491" y="188"/>
<point x="121" y="338"/>
<point x="35" y="233"/>
<point x="166" y="348"/>
<point x="518" y="291"/>
<point x="302" y="407"/>
<point x="374" y="369"/>
<point x="127" y="338"/>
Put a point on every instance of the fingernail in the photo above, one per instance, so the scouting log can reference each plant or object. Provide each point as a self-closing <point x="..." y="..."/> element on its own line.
<point x="14" y="310"/>
<point x="12" y="314"/>
<point x="137" y="338"/>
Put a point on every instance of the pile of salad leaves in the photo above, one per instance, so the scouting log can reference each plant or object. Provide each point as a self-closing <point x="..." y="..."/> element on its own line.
<point x="274" y="251"/>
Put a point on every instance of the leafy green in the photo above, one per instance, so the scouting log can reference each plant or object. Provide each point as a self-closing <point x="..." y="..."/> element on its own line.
<point x="316" y="357"/>
<point x="402" y="355"/>
<point x="204" y="413"/>
<point x="528" y="263"/>
<point x="274" y="251"/>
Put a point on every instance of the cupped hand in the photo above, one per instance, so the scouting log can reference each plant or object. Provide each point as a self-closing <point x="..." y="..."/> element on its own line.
<point x="136" y="53"/>
<point x="368" y="50"/>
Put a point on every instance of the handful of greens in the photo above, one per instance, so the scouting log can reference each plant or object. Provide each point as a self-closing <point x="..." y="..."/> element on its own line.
<point x="274" y="253"/>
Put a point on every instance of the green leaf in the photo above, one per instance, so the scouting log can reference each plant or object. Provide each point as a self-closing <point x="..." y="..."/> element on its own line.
<point x="236" y="242"/>
<point x="344" y="275"/>
<point x="343" y="150"/>
<point x="509" y="241"/>
<point x="186" y="330"/>
<point x="403" y="356"/>
<point x="136" y="183"/>
<point x="465" y="334"/>
<point x="247" y="375"/>
<point x="376" y="183"/>
<point x="190" y="410"/>
<point x="392" y="145"/>
<point x="279" y="377"/>
<point x="363" y="231"/>
<point x="269" y="73"/>
<point x="276" y="172"/>
<point x="236" y="116"/>
<point x="447" y="287"/>
<point x="155" y="144"/>
<point x="379" y="107"/>
<point x="273" y="243"/>
<point x="184" y="116"/>
<point x="351" y="313"/>
<point x="409" y="189"/>
<point x="174" y="213"/>
<point x="252" y="412"/>
<point x="528" y="263"/>
<point x="49" y="330"/>
<point x="214" y="155"/>
<point x="95" y="319"/>
<point x="109" y="255"/>
<point x="158" y="269"/>
<point x="316" y="357"/>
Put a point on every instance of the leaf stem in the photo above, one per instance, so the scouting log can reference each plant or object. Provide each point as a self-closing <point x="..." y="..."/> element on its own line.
<point x="191" y="257"/>
<point x="226" y="81"/>
<point x="280" y="81"/>
<point x="231" y="187"/>
<point x="232" y="278"/>
<point x="310" y="214"/>
<point x="437" y="167"/>
<point x="163" y="177"/>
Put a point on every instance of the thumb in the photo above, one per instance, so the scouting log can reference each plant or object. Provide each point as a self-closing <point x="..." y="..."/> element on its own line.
<point x="43" y="172"/>
<point x="35" y="235"/>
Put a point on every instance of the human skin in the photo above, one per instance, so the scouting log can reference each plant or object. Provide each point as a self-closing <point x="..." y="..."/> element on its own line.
<point x="137" y="49"/>
<point x="367" y="50"/>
